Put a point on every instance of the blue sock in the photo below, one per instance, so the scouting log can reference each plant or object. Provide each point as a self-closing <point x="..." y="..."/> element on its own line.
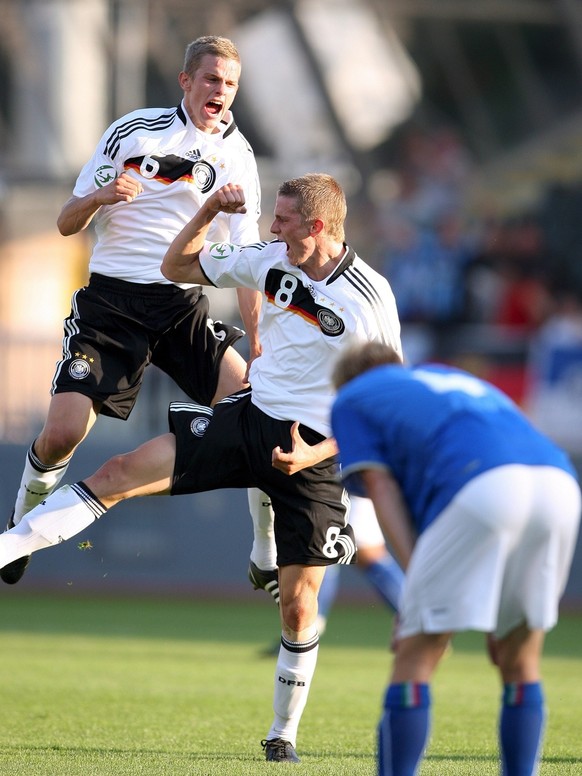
<point x="387" y="577"/>
<point x="328" y="590"/>
<point x="521" y="728"/>
<point x="403" y="729"/>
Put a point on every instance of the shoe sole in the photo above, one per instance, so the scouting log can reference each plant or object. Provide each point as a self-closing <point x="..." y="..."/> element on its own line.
<point x="14" y="571"/>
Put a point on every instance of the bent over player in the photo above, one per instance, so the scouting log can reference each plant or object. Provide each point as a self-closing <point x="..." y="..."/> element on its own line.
<point x="317" y="293"/>
<point x="150" y="172"/>
<point x="482" y="511"/>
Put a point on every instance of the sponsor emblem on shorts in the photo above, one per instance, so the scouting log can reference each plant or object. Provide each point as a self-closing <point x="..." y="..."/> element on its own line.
<point x="199" y="425"/>
<point x="204" y="176"/>
<point x="79" y="369"/>
<point x="104" y="175"/>
<point x="221" y="250"/>
<point x="329" y="322"/>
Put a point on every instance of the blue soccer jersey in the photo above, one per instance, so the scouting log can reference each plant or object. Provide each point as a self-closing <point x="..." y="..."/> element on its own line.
<point x="434" y="428"/>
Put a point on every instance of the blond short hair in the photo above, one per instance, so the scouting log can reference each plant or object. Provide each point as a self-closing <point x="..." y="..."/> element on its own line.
<point x="319" y="196"/>
<point x="208" y="44"/>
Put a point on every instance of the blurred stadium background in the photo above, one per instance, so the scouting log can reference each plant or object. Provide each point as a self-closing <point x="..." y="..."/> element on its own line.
<point x="455" y="127"/>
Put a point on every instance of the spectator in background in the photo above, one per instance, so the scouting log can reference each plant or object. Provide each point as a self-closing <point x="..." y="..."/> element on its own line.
<point x="425" y="249"/>
<point x="554" y="370"/>
<point x="426" y="268"/>
<point x="514" y="267"/>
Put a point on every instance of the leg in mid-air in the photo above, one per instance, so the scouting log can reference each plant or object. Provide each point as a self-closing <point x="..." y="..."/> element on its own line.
<point x="70" y="418"/>
<point x="70" y="509"/>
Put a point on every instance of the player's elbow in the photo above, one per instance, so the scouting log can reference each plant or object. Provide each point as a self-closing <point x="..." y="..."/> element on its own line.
<point x="64" y="226"/>
<point x="181" y="271"/>
<point x="169" y="271"/>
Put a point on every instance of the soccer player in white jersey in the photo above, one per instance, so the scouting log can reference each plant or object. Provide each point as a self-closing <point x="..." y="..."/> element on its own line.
<point x="316" y="294"/>
<point x="151" y="171"/>
<point x="482" y="511"/>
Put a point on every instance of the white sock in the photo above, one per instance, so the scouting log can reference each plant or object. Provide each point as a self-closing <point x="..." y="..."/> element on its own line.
<point x="295" y="668"/>
<point x="63" y="514"/>
<point x="37" y="482"/>
<point x="264" y="550"/>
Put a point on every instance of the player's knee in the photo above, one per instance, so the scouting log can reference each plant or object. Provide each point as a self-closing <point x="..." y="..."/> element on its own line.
<point x="57" y="443"/>
<point x="299" y="613"/>
<point x="114" y="479"/>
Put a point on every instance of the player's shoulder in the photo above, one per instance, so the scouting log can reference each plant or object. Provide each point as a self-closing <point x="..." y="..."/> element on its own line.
<point x="233" y="138"/>
<point x="145" y="117"/>
<point x="263" y="249"/>
<point x="366" y="269"/>
<point x="361" y="276"/>
<point x="141" y="120"/>
<point x="224" y="249"/>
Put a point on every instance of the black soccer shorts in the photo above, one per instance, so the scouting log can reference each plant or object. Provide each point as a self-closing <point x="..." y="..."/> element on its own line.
<point x="231" y="446"/>
<point x="115" y="329"/>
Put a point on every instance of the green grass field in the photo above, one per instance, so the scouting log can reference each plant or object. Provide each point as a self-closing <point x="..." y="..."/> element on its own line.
<point x="121" y="687"/>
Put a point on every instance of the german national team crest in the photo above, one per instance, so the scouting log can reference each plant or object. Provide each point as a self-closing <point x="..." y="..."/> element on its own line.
<point x="330" y="323"/>
<point x="79" y="369"/>
<point x="204" y="176"/>
<point x="199" y="425"/>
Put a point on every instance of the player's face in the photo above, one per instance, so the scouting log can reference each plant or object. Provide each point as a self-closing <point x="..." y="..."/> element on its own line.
<point x="291" y="228"/>
<point x="209" y="93"/>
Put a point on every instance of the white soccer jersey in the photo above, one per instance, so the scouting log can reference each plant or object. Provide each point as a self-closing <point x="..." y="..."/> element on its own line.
<point x="304" y="323"/>
<point x="179" y="167"/>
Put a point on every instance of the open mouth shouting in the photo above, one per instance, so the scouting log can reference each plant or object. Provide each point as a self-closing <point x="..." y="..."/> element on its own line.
<point x="215" y="108"/>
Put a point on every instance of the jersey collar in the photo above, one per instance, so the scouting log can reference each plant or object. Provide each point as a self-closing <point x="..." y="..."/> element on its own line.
<point x="181" y="114"/>
<point x="227" y="125"/>
<point x="346" y="261"/>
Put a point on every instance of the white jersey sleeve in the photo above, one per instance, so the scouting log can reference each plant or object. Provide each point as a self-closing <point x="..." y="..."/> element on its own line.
<point x="233" y="266"/>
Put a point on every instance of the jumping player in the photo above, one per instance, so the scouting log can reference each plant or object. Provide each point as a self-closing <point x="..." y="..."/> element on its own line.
<point x="150" y="172"/>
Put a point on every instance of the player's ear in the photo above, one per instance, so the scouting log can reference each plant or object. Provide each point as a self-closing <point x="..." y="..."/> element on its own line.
<point x="316" y="227"/>
<point x="184" y="81"/>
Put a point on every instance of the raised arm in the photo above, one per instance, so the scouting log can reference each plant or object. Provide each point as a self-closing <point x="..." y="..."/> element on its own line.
<point x="180" y="263"/>
<point x="77" y="212"/>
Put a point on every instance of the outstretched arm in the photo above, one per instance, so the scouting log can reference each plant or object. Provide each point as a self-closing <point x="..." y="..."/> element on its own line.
<point x="180" y="263"/>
